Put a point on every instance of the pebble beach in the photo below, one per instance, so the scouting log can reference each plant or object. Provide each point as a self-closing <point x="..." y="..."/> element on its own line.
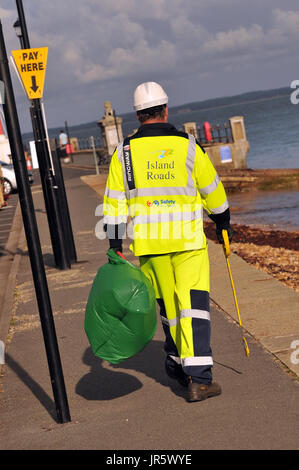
<point x="273" y="251"/>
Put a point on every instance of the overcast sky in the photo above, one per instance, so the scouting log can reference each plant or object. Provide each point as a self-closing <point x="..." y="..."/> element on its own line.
<point x="101" y="50"/>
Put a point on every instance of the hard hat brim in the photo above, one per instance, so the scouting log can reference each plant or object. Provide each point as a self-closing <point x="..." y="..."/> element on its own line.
<point x="151" y="104"/>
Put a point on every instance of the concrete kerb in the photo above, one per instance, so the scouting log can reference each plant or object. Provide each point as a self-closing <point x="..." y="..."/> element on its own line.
<point x="15" y="244"/>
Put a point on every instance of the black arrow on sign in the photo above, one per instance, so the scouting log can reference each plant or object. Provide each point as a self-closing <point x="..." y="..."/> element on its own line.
<point x="34" y="86"/>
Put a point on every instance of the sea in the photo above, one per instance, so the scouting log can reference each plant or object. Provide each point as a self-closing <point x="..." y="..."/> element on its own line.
<point x="272" y="129"/>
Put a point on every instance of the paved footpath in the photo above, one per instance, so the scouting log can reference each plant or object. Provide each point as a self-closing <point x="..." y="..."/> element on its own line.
<point x="134" y="405"/>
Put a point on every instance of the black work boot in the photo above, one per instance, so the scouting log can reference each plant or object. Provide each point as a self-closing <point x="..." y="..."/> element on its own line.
<point x="199" y="392"/>
<point x="175" y="371"/>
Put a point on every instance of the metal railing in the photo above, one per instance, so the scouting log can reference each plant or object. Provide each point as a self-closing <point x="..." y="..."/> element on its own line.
<point x="218" y="134"/>
<point x="100" y="155"/>
<point x="87" y="143"/>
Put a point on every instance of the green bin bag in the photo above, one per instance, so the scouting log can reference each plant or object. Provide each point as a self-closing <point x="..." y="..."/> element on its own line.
<point x="120" y="316"/>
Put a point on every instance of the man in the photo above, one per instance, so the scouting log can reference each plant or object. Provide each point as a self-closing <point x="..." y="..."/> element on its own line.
<point x="162" y="179"/>
<point x="63" y="141"/>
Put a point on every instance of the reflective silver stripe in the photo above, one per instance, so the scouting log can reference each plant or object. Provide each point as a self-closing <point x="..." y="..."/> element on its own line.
<point x="110" y="219"/>
<point x="176" y="359"/>
<point x="168" y="217"/>
<point x="187" y="313"/>
<point x="195" y="313"/>
<point x="193" y="361"/>
<point x="120" y="151"/>
<point x="172" y="322"/>
<point x="114" y="194"/>
<point x="120" y="155"/>
<point x="197" y="361"/>
<point x="220" y="209"/>
<point x="211" y="187"/>
<point x="163" y="191"/>
<point x="190" y="160"/>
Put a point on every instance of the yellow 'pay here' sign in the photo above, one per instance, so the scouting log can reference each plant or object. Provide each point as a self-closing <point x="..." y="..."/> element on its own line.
<point x="31" y="65"/>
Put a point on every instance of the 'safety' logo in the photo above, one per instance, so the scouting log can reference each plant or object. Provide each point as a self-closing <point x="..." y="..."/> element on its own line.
<point x="154" y="203"/>
<point x="161" y="203"/>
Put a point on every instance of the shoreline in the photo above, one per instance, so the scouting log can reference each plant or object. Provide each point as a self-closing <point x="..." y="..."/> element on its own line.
<point x="273" y="251"/>
<point x="249" y="179"/>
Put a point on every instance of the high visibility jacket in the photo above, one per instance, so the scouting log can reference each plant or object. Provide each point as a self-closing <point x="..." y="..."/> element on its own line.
<point x="162" y="179"/>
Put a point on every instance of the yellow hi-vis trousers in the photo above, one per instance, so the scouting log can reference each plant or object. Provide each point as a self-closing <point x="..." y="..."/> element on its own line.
<point x="182" y="282"/>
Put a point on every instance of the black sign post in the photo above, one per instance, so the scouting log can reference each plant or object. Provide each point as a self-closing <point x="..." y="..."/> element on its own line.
<point x="51" y="191"/>
<point x="33" y="241"/>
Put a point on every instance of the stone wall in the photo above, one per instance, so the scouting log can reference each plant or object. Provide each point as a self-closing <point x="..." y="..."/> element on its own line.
<point x="238" y="151"/>
<point x="230" y="155"/>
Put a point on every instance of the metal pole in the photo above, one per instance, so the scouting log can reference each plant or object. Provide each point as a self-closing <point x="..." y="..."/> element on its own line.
<point x="67" y="226"/>
<point x="50" y="190"/>
<point x="47" y="136"/>
<point x="94" y="155"/>
<point x="219" y="133"/>
<point x="46" y="168"/>
<point x="33" y="241"/>
<point x="21" y="15"/>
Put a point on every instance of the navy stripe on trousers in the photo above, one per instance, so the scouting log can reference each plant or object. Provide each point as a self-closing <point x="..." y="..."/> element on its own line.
<point x="200" y="300"/>
<point x="201" y="329"/>
<point x="169" y="345"/>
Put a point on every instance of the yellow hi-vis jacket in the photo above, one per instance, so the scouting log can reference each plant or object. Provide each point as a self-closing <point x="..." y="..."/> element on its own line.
<point x="162" y="179"/>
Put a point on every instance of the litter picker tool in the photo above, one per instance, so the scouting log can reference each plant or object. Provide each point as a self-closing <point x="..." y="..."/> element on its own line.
<point x="226" y="249"/>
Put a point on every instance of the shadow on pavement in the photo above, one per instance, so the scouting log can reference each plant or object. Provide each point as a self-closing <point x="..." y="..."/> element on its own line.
<point x="35" y="388"/>
<point x="107" y="384"/>
<point x="103" y="384"/>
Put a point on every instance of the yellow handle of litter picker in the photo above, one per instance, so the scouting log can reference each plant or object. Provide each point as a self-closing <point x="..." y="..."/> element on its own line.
<point x="226" y="249"/>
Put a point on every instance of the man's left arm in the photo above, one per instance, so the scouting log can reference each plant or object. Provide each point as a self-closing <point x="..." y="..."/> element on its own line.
<point x="115" y="207"/>
<point x="213" y="193"/>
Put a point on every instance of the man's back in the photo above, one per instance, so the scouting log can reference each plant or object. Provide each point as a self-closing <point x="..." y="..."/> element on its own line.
<point x="164" y="153"/>
<point x="166" y="179"/>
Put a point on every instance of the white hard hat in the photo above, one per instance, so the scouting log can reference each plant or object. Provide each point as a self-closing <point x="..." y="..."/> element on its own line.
<point x="149" y="94"/>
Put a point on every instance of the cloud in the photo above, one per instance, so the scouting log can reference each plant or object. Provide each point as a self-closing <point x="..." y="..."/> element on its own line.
<point x="186" y="31"/>
<point x="286" y="21"/>
<point x="100" y="41"/>
<point x="122" y="62"/>
<point x="104" y="48"/>
<point x="235" y="40"/>
<point x="5" y="13"/>
<point x="127" y="46"/>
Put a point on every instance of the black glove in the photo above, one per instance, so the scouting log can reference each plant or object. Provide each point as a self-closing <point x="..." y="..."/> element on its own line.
<point x="222" y="222"/>
<point x="115" y="234"/>
<point x="230" y="234"/>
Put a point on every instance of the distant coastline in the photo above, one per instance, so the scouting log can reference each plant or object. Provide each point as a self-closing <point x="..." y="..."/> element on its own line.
<point x="204" y="105"/>
<point x="258" y="100"/>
